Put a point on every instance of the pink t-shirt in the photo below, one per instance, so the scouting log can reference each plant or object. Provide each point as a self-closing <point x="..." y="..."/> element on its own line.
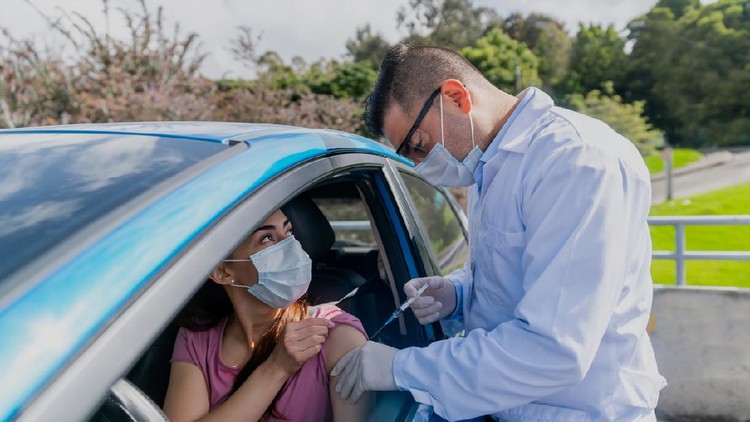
<point x="305" y="397"/>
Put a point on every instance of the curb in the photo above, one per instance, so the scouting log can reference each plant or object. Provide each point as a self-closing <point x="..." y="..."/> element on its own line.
<point x="708" y="161"/>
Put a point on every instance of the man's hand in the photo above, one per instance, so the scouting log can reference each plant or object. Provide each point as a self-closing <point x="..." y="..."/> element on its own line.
<point x="367" y="368"/>
<point x="437" y="302"/>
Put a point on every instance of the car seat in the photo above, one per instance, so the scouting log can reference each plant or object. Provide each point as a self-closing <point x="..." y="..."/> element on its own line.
<point x="314" y="232"/>
<point x="151" y="373"/>
<point x="373" y="301"/>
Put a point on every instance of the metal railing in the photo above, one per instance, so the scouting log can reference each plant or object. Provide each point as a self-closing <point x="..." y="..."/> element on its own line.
<point x="679" y="255"/>
<point x="350" y="225"/>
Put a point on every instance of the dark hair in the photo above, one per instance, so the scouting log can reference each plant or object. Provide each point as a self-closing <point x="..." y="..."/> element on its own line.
<point x="408" y="74"/>
<point x="210" y="305"/>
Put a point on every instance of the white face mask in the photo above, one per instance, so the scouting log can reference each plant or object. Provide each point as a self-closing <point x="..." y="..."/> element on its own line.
<point x="284" y="273"/>
<point x="440" y="168"/>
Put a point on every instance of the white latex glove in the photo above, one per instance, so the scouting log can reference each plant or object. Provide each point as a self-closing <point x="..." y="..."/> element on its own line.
<point x="369" y="367"/>
<point x="437" y="302"/>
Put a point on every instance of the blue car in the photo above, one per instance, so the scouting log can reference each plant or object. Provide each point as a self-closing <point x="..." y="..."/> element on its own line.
<point x="107" y="230"/>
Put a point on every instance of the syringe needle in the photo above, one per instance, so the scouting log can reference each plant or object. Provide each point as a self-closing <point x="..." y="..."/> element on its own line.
<point x="401" y="309"/>
<point x="377" y="332"/>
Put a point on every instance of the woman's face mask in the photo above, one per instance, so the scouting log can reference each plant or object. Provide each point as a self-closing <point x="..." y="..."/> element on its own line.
<point x="284" y="273"/>
<point x="442" y="169"/>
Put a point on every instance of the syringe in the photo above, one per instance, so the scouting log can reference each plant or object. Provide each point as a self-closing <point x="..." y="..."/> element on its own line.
<point x="400" y="310"/>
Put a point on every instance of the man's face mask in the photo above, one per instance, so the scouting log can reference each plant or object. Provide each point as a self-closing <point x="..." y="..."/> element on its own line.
<point x="441" y="168"/>
<point x="284" y="273"/>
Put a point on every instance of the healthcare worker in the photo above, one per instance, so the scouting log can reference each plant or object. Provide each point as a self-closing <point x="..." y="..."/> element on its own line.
<point x="556" y="294"/>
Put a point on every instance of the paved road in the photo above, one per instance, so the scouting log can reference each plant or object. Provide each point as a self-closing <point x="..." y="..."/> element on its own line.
<point x="734" y="171"/>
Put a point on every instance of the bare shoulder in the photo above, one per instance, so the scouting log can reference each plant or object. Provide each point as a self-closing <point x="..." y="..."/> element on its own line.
<point x="342" y="339"/>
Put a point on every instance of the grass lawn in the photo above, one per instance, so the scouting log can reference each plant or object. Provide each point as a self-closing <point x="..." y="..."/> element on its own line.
<point x="730" y="201"/>
<point x="682" y="156"/>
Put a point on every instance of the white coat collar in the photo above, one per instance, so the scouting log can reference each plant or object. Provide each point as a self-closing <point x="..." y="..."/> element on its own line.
<point x="516" y="138"/>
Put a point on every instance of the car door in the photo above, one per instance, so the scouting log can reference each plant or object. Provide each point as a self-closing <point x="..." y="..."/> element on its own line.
<point x="441" y="229"/>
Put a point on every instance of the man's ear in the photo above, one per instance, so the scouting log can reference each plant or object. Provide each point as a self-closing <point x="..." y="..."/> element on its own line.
<point x="457" y="92"/>
<point x="222" y="275"/>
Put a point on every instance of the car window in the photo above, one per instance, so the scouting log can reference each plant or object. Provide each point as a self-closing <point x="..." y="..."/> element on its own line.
<point x="349" y="220"/>
<point x="440" y="223"/>
<point x="53" y="185"/>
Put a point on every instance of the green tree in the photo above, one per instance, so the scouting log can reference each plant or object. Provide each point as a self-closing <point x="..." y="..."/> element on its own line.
<point x="547" y="39"/>
<point x="353" y="80"/>
<point x="347" y="80"/>
<point x="649" y="62"/>
<point x="679" y="7"/>
<point x="274" y="72"/>
<point x="626" y="119"/>
<point x="505" y="62"/>
<point x="597" y="55"/>
<point x="367" y="47"/>
<point x="448" y="23"/>
<point x="693" y="71"/>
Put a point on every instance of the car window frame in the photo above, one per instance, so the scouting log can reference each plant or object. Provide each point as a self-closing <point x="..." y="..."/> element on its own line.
<point x="383" y="187"/>
<point x="79" y="388"/>
<point x="401" y="266"/>
<point x="455" y="210"/>
<point x="426" y="253"/>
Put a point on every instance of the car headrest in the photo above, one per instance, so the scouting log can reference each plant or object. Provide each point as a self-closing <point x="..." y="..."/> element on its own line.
<point x="311" y="227"/>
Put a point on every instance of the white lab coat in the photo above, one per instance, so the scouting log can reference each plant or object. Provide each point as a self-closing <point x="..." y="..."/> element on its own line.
<point x="557" y="307"/>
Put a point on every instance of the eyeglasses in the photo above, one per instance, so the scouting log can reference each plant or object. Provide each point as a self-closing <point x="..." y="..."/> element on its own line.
<point x="406" y="149"/>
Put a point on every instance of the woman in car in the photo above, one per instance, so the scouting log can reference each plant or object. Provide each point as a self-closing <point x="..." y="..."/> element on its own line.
<point x="251" y="349"/>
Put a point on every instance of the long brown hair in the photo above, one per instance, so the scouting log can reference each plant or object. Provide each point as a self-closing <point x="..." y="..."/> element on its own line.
<point x="211" y="304"/>
<point x="295" y="312"/>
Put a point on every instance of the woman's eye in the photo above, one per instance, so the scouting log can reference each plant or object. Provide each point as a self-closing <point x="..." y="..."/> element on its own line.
<point x="266" y="238"/>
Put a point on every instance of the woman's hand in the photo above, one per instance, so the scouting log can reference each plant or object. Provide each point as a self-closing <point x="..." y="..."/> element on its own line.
<point x="300" y="341"/>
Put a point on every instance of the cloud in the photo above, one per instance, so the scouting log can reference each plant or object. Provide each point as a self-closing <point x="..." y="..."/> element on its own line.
<point x="36" y="214"/>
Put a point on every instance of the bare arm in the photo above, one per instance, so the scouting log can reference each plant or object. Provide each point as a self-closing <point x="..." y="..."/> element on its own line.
<point x="344" y="338"/>
<point x="187" y="395"/>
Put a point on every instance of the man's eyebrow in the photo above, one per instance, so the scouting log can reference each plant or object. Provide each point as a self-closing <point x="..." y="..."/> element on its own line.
<point x="271" y="227"/>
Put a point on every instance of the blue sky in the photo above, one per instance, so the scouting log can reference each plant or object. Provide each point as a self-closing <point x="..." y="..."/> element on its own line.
<point x="308" y="28"/>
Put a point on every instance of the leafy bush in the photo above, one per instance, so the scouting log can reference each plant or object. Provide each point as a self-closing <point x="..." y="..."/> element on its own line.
<point x="154" y="75"/>
<point x="626" y="119"/>
<point x="262" y="104"/>
<point x="505" y="62"/>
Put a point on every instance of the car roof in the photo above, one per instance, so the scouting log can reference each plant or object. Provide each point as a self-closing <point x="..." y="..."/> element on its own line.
<point x="206" y="131"/>
<point x="221" y="132"/>
<point x="80" y="294"/>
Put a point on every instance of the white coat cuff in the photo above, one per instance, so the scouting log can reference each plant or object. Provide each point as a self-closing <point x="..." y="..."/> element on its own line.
<point x="401" y="359"/>
<point x="458" y="312"/>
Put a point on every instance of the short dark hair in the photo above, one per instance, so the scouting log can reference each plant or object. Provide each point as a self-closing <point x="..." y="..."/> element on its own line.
<point x="408" y="74"/>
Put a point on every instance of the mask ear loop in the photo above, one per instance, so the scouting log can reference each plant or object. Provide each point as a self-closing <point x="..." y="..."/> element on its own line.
<point x="232" y="284"/>
<point x="442" y="130"/>
<point x="471" y="123"/>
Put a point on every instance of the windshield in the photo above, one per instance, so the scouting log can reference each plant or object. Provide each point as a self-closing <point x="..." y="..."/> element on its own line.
<point x="54" y="185"/>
